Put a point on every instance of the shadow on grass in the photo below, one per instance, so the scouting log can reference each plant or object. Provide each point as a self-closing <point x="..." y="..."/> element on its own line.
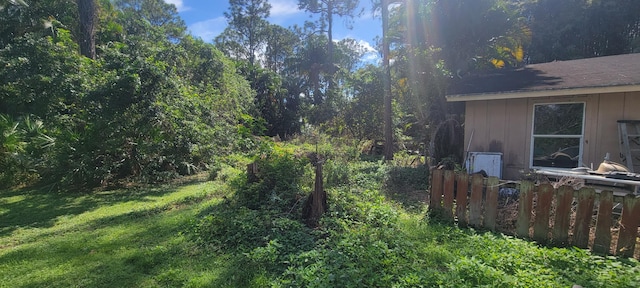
<point x="141" y="248"/>
<point x="39" y="208"/>
<point x="407" y="186"/>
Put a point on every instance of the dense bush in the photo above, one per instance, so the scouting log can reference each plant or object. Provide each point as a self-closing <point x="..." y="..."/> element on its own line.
<point x="262" y="219"/>
<point x="277" y="183"/>
<point x="20" y="150"/>
<point x="147" y="109"/>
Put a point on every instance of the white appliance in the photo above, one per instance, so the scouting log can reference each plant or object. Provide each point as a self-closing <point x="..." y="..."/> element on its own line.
<point x="490" y="162"/>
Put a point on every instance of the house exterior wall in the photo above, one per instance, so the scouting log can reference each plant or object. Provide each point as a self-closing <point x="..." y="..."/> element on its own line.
<point x="505" y="126"/>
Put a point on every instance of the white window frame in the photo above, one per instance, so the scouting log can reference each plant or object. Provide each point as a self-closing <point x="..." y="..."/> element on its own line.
<point x="533" y="136"/>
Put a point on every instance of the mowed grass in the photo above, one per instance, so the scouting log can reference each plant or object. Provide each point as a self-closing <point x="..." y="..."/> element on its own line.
<point x="120" y="238"/>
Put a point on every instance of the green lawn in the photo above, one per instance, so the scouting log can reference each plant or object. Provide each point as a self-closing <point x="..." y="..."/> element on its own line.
<point x="121" y="238"/>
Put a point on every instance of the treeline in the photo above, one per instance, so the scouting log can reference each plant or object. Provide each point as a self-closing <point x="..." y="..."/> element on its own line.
<point x="155" y="102"/>
<point x="94" y="91"/>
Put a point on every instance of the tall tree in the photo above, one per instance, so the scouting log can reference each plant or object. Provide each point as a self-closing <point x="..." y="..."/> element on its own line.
<point x="280" y="43"/>
<point x="248" y="28"/>
<point x="328" y="10"/>
<point x="151" y="19"/>
<point x="574" y="29"/>
<point x="364" y="113"/>
<point x="477" y="34"/>
<point x="87" y="11"/>
<point x="388" y="119"/>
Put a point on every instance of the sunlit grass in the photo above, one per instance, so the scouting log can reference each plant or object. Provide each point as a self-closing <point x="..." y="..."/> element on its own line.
<point x="121" y="238"/>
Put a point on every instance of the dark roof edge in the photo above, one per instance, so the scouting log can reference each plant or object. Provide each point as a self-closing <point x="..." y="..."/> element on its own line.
<point x="543" y="93"/>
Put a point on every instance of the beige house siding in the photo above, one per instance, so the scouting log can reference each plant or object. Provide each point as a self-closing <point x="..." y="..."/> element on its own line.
<point x="505" y="126"/>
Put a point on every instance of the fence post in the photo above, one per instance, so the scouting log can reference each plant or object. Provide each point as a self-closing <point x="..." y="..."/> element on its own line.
<point x="475" y="206"/>
<point x="629" y="226"/>
<point x="449" y="178"/>
<point x="462" y="189"/>
<point x="564" y="199"/>
<point x="252" y="172"/>
<point x="584" y="212"/>
<point x="525" y="205"/>
<point x="436" y="189"/>
<point x="543" y="207"/>
<point x="491" y="204"/>
<point x="602" y="242"/>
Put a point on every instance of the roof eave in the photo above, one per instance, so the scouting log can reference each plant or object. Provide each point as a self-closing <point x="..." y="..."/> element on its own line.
<point x="543" y="93"/>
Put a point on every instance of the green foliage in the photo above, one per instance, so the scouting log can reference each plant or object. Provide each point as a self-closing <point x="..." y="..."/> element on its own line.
<point x="23" y="145"/>
<point x="364" y="113"/>
<point x="564" y="30"/>
<point x="247" y="30"/>
<point x="154" y="105"/>
<point x="336" y="173"/>
<point x="277" y="183"/>
<point x="408" y="178"/>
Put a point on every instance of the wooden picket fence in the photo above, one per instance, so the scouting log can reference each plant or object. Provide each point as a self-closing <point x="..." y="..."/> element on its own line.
<point x="558" y="217"/>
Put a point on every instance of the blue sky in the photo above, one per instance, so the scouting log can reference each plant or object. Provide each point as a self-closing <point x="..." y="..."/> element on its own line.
<point x="205" y="19"/>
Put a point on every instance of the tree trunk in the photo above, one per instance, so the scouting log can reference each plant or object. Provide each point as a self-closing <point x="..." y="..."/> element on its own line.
<point x="331" y="71"/>
<point x="316" y="204"/>
<point x="388" y="125"/>
<point x="87" y="11"/>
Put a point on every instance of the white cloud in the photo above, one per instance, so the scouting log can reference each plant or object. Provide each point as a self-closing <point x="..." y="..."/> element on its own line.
<point x="367" y="46"/>
<point x="208" y="29"/>
<point x="371" y="54"/>
<point x="281" y="8"/>
<point x="179" y="5"/>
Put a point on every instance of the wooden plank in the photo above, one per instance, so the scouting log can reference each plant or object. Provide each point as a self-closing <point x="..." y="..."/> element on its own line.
<point x="525" y="205"/>
<point x="497" y="123"/>
<point x="543" y="209"/>
<point x="478" y="110"/>
<point x="462" y="189"/>
<point x="630" y="220"/>
<point x="605" y="133"/>
<point x="631" y="104"/>
<point x="436" y="189"/>
<point x="516" y="153"/>
<point x="602" y="242"/>
<point x="475" y="205"/>
<point x="491" y="203"/>
<point x="449" y="178"/>
<point x="561" y="223"/>
<point x="584" y="213"/>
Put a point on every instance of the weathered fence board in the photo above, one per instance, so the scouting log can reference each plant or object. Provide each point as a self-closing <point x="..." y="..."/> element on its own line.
<point x="474" y="202"/>
<point x="449" y="182"/>
<point x="525" y="205"/>
<point x="584" y="213"/>
<point x="564" y="198"/>
<point x="475" y="206"/>
<point x="629" y="223"/>
<point x="543" y="210"/>
<point x="436" y="189"/>
<point x="602" y="241"/>
<point x="491" y="203"/>
<point x="461" y="199"/>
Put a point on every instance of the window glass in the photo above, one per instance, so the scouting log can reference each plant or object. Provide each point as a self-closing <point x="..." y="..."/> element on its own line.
<point x="557" y="134"/>
<point x="558" y="119"/>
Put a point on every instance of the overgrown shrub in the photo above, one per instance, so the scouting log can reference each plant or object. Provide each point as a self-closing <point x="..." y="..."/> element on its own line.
<point x="336" y="173"/>
<point x="407" y="178"/>
<point x="261" y="220"/>
<point x="277" y="184"/>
